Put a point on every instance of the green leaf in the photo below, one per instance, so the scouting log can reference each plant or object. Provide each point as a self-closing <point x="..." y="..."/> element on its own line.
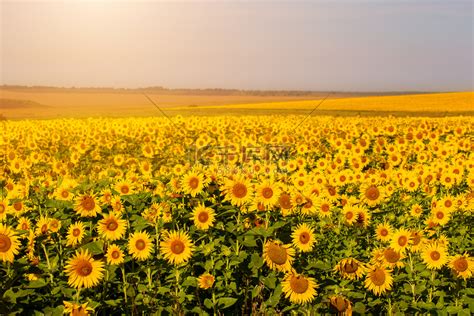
<point x="249" y="241"/>
<point x="359" y="308"/>
<point x="208" y="303"/>
<point x="269" y="281"/>
<point x="255" y="261"/>
<point x="190" y="281"/>
<point x="95" y="247"/>
<point x="36" y="284"/>
<point x="453" y="309"/>
<point x="276" y="296"/>
<point x="225" y="302"/>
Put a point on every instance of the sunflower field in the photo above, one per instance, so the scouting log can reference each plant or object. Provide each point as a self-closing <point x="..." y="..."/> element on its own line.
<point x="237" y="216"/>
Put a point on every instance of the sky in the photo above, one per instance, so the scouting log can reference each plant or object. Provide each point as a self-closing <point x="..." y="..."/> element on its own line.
<point x="378" y="45"/>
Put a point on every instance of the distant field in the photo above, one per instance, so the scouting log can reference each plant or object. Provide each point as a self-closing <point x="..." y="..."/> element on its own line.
<point x="18" y="104"/>
<point x="461" y="102"/>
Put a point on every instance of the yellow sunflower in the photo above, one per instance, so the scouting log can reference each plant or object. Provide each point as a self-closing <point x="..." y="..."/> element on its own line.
<point x="349" y="214"/>
<point x="54" y="225"/>
<point x="400" y="240"/>
<point x="140" y="245"/>
<point x="75" y="234"/>
<point x="440" y="215"/>
<point x="462" y="266"/>
<point x="42" y="226"/>
<point x="267" y="194"/>
<point x="9" y="243"/>
<point x="303" y="237"/>
<point x="378" y="280"/>
<point x="83" y="270"/>
<point x="112" y="227"/>
<point x="23" y="224"/>
<point x="124" y="187"/>
<point x="74" y="309"/>
<point x="434" y="255"/>
<point x="177" y="247"/>
<point x="383" y="232"/>
<point x="278" y="256"/>
<point x="416" y="210"/>
<point x="203" y="217"/>
<point x="237" y="190"/>
<point x="371" y="194"/>
<point x="417" y="241"/>
<point x="205" y="281"/>
<point x="340" y="305"/>
<point x="392" y="258"/>
<point x="3" y="210"/>
<point x="298" y="288"/>
<point x="192" y="183"/>
<point x="114" y="255"/>
<point x="285" y="203"/>
<point x="87" y="206"/>
<point x="350" y="268"/>
<point x="323" y="206"/>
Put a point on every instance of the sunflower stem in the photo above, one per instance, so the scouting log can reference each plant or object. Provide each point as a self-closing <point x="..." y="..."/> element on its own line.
<point x="389" y="311"/>
<point x="78" y="295"/>
<point x="412" y="277"/>
<point x="47" y="262"/>
<point x="430" y="297"/>
<point x="124" y="279"/>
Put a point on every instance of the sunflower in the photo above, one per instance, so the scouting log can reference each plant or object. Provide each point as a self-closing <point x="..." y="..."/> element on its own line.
<point x="3" y="210"/>
<point x="237" y="191"/>
<point x="267" y="194"/>
<point x="440" y="215"/>
<point x="285" y="203"/>
<point x="323" y="206"/>
<point x="114" y="255"/>
<point x="203" y="217"/>
<point x="86" y="205"/>
<point x="106" y="197"/>
<point x="23" y="224"/>
<point x="9" y="243"/>
<point x="205" y="281"/>
<point x="42" y="226"/>
<point x="383" y="232"/>
<point x="391" y="258"/>
<point x="434" y="255"/>
<point x="278" y="256"/>
<point x="124" y="187"/>
<point x="193" y="183"/>
<point x="340" y="305"/>
<point x="140" y="245"/>
<point x="112" y="227"/>
<point x="177" y="247"/>
<point x="371" y="194"/>
<point x="303" y="237"/>
<point x="378" y="280"/>
<point x="74" y="309"/>
<point x="349" y="214"/>
<point x="298" y="288"/>
<point x="83" y="270"/>
<point x="462" y="266"/>
<point x="400" y="240"/>
<point x="416" y="210"/>
<point x="350" y="268"/>
<point x="63" y="194"/>
<point x="54" y="225"/>
<point x="417" y="241"/>
<point x="75" y="233"/>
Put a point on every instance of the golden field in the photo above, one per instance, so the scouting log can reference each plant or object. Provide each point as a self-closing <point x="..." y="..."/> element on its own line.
<point x="270" y="215"/>
<point x="58" y="103"/>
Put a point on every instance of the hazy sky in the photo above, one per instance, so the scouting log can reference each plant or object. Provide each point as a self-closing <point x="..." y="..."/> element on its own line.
<point x="317" y="45"/>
